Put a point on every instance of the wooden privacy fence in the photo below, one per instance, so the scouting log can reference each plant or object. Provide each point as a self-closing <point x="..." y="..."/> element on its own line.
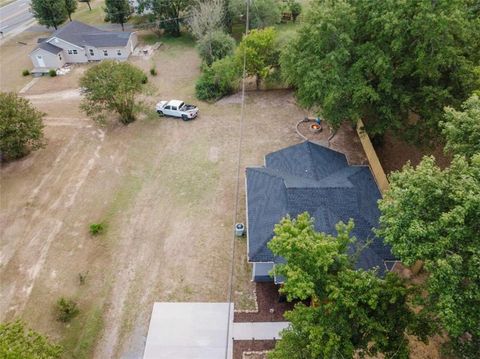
<point x="372" y="157"/>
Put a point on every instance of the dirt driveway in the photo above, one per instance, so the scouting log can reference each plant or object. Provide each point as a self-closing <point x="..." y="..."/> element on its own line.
<point x="165" y="189"/>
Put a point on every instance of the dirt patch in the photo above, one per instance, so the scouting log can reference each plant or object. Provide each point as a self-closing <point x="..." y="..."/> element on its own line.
<point x="394" y="153"/>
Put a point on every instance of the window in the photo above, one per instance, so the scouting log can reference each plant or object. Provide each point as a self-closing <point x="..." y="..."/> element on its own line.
<point x="69" y="52"/>
<point x="91" y="52"/>
<point x="174" y="108"/>
<point x="167" y="107"/>
<point x="105" y="53"/>
<point x="75" y="52"/>
<point x="119" y="52"/>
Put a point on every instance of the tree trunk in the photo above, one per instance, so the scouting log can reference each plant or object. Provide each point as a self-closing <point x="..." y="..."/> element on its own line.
<point x="89" y="7"/>
<point x="257" y="81"/>
<point x="123" y="29"/>
<point x="70" y="16"/>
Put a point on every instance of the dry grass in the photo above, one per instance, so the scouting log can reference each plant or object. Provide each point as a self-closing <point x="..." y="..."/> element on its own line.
<point x="14" y="59"/>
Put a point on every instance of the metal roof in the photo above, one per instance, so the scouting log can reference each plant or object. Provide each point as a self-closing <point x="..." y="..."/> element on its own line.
<point x="313" y="178"/>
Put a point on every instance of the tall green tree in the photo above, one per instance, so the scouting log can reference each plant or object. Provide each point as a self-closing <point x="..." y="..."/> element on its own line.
<point x="51" y="13"/>
<point x="393" y="64"/>
<point x="259" y="47"/>
<point x="462" y="128"/>
<point x="354" y="311"/>
<point x="432" y="215"/>
<point x="111" y="86"/>
<point x="21" y="127"/>
<point x="18" y="342"/>
<point x="215" y="45"/>
<point x="70" y="7"/>
<point x="117" y="11"/>
<point x="169" y="13"/>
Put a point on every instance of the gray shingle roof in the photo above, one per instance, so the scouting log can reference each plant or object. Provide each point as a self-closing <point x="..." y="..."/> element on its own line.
<point x="81" y="34"/>
<point x="50" y="48"/>
<point x="312" y="178"/>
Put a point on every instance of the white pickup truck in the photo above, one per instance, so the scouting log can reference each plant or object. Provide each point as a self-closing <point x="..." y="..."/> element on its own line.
<point x="177" y="108"/>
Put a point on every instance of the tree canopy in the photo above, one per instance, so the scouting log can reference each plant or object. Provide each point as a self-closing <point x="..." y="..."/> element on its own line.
<point x="18" y="342"/>
<point x="262" y="13"/>
<point x="206" y="17"/>
<point x="111" y="86"/>
<point x="70" y="7"/>
<point x="215" y="45"/>
<point x="169" y="13"/>
<point x="393" y="64"/>
<point x="432" y="215"/>
<point x="260" y="48"/>
<point x="117" y="11"/>
<point x="21" y="127"/>
<point x="462" y="128"/>
<point x="354" y="311"/>
<point x="51" y="13"/>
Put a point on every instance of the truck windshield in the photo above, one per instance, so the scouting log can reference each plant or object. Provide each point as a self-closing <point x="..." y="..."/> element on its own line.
<point x="181" y="105"/>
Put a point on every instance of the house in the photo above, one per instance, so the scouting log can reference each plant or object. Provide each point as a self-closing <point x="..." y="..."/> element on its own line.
<point x="80" y="43"/>
<point x="309" y="177"/>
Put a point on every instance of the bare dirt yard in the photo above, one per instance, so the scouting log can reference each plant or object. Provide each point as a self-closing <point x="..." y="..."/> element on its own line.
<point x="165" y="190"/>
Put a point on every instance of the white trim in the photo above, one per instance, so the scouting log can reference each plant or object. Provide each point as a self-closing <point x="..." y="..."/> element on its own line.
<point x="56" y="37"/>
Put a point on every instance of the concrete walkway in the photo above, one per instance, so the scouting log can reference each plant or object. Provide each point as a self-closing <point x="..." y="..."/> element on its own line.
<point x="258" y="330"/>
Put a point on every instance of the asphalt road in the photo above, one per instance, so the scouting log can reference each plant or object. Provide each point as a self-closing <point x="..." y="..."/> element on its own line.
<point x="15" y="16"/>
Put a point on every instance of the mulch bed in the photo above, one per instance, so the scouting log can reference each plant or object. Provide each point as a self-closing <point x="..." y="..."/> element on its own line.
<point x="267" y="298"/>
<point x="240" y="346"/>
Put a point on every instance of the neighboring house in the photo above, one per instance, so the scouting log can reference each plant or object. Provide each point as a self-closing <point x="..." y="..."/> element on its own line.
<point x="314" y="179"/>
<point x="79" y="43"/>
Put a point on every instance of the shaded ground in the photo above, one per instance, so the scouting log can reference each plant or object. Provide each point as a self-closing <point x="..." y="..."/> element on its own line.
<point x="394" y="154"/>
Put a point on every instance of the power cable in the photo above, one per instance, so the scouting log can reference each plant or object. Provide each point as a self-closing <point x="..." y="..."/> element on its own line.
<point x="237" y="187"/>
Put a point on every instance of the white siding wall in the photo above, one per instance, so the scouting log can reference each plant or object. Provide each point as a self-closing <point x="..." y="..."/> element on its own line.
<point x="72" y="58"/>
<point x="51" y="61"/>
<point x="113" y="53"/>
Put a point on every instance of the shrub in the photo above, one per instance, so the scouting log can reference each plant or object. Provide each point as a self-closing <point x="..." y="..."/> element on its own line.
<point x="52" y="73"/>
<point x="21" y="127"/>
<point x="274" y="81"/>
<point x="144" y="79"/>
<point x="25" y="72"/>
<point x="97" y="228"/>
<point x="153" y="71"/>
<point x="295" y="9"/>
<point x="218" y="80"/>
<point x="215" y="46"/>
<point x="66" y="310"/>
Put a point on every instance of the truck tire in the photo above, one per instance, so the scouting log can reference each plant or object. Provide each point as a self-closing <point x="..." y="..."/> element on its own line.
<point x="160" y="113"/>
<point x="185" y="117"/>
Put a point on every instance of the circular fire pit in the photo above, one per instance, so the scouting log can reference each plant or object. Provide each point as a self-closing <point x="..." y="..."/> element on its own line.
<point x="315" y="128"/>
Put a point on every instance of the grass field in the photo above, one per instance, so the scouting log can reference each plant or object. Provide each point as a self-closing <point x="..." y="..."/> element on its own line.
<point x="165" y="189"/>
